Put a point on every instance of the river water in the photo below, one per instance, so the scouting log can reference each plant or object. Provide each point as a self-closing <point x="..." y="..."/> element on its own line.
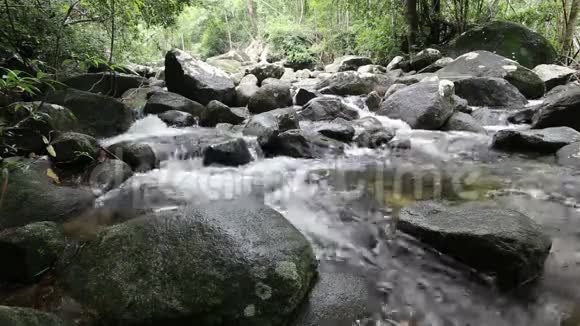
<point x="339" y="204"/>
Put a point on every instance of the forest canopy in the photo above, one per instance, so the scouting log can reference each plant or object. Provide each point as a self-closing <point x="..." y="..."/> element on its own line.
<point x="51" y="33"/>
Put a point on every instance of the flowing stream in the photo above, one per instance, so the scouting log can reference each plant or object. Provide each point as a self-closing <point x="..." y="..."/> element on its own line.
<point x="337" y="204"/>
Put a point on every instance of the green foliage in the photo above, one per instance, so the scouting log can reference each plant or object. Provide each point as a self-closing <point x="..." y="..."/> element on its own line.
<point x="16" y="82"/>
<point x="293" y="43"/>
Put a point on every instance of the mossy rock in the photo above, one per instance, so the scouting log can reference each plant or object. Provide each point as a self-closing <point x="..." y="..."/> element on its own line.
<point x="227" y="263"/>
<point x="75" y="149"/>
<point x="29" y="250"/>
<point x="507" y="39"/>
<point x="31" y="195"/>
<point x="14" y="316"/>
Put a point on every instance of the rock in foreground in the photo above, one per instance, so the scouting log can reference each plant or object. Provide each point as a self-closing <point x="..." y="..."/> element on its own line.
<point x="547" y="140"/>
<point x="492" y="240"/>
<point x="14" y="316"/>
<point x="228" y="263"/>
<point x="559" y="110"/>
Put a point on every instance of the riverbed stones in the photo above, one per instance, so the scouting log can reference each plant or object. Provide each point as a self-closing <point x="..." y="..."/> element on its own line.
<point x="546" y="141"/>
<point x="423" y="105"/>
<point x="245" y="91"/>
<point x="74" y="149"/>
<point x="351" y="83"/>
<point x="569" y="155"/>
<point x="140" y="157"/>
<point x="303" y="96"/>
<point x="108" y="175"/>
<point x="299" y="144"/>
<point x="228" y="262"/>
<point x="178" y="119"/>
<point x="197" y="80"/>
<point x="493" y="240"/>
<point x="487" y="64"/>
<point x="338" y="129"/>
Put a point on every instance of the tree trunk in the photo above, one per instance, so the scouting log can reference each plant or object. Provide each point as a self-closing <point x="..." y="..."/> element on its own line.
<point x="252" y="14"/>
<point x="567" y="41"/>
<point x="435" y="36"/>
<point x="412" y="22"/>
<point x="112" y="31"/>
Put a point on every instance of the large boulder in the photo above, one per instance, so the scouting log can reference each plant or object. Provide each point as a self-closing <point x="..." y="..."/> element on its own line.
<point x="263" y="126"/>
<point x="28" y="122"/>
<point x="303" y="96"/>
<point x="160" y="102"/>
<point x="297" y="143"/>
<point x="31" y="195"/>
<point x="15" y="316"/>
<point x="487" y="64"/>
<point x="225" y="263"/>
<point x="493" y="240"/>
<point x="423" y="106"/>
<point x="436" y="66"/>
<point x="266" y="70"/>
<point x="97" y="115"/>
<point x="30" y="250"/>
<point x="507" y="39"/>
<point x="217" y="112"/>
<point x="269" y="97"/>
<point x="460" y="121"/>
<point x="327" y="109"/>
<point x="233" y="152"/>
<point x="351" y="83"/>
<point x="424" y="59"/>
<point x="196" y="79"/>
<point x="110" y="84"/>
<point x="338" y="129"/>
<point x="136" y="98"/>
<point x="554" y="75"/>
<point x="559" y="110"/>
<point x="74" y="149"/>
<point x="547" y="140"/>
<point x="374" y="137"/>
<point x="490" y="92"/>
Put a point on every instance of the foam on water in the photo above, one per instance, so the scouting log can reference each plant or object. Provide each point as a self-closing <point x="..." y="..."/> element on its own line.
<point x="143" y="128"/>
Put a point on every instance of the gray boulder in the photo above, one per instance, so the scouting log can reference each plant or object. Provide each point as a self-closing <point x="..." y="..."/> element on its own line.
<point x="197" y="80"/>
<point x="160" y="102"/>
<point x="436" y="66"/>
<point x="136" y="98"/>
<point x="422" y="105"/>
<point x="393" y="89"/>
<point x="97" y="115"/>
<point x="327" y="109"/>
<point x="229" y="153"/>
<point x="548" y="140"/>
<point x="29" y="251"/>
<point x="374" y="137"/>
<point x="303" y="96"/>
<point x="559" y="110"/>
<point x="296" y="143"/>
<point x="140" y="157"/>
<point x="228" y="262"/>
<point x="339" y="129"/>
<point x="507" y="39"/>
<point x="490" y="92"/>
<point x="554" y="75"/>
<point x="266" y="70"/>
<point x="75" y="149"/>
<point x="244" y="93"/>
<point x="109" y="84"/>
<point x="460" y="121"/>
<point x="27" y="182"/>
<point x="569" y="155"/>
<point x="217" y="112"/>
<point x="351" y="62"/>
<point x="108" y="175"/>
<point x="179" y="119"/>
<point x="487" y="64"/>
<point x="270" y="97"/>
<point x="424" y="59"/>
<point x="249" y="79"/>
<point x="372" y="69"/>
<point x="351" y="83"/>
<point x="15" y="316"/>
<point x="493" y="240"/>
<point x="373" y="101"/>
